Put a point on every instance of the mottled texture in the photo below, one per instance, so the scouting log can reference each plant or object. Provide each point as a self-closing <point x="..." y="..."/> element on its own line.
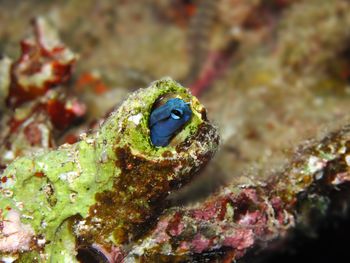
<point x="35" y="98"/>
<point x="107" y="188"/>
<point x="247" y="217"/>
<point x="287" y="79"/>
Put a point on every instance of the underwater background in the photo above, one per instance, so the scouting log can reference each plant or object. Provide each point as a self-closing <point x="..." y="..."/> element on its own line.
<point x="273" y="75"/>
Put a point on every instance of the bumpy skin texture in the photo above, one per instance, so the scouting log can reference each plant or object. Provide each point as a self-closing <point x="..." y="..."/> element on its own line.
<point x="104" y="190"/>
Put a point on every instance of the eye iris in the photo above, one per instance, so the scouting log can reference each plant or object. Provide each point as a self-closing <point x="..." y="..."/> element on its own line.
<point x="176" y="114"/>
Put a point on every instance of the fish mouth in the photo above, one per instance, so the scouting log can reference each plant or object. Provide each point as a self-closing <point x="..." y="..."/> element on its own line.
<point x="92" y="254"/>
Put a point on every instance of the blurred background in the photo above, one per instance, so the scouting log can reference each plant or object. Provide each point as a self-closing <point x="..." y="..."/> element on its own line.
<point x="271" y="73"/>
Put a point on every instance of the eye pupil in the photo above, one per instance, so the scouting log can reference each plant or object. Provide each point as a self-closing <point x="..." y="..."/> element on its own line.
<point x="176" y="114"/>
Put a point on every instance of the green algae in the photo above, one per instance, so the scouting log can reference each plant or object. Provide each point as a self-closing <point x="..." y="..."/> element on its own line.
<point x="104" y="187"/>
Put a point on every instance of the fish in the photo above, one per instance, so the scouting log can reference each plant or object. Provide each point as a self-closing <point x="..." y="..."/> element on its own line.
<point x="95" y="197"/>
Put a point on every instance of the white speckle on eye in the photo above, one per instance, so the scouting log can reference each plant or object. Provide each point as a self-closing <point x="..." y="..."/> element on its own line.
<point x="136" y="118"/>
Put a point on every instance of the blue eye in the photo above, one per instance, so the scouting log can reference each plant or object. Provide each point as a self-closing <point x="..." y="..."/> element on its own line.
<point x="167" y="120"/>
<point x="176" y="114"/>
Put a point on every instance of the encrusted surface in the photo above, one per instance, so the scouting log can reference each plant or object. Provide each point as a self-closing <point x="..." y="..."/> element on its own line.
<point x="241" y="218"/>
<point x="271" y="74"/>
<point x="104" y="187"/>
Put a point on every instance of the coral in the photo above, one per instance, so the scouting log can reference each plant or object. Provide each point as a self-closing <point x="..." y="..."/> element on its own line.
<point x="271" y="74"/>
<point x="44" y="63"/>
<point x="244" y="217"/>
<point x="35" y="91"/>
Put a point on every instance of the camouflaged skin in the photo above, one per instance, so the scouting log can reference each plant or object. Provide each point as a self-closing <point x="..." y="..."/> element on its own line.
<point x="105" y="189"/>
